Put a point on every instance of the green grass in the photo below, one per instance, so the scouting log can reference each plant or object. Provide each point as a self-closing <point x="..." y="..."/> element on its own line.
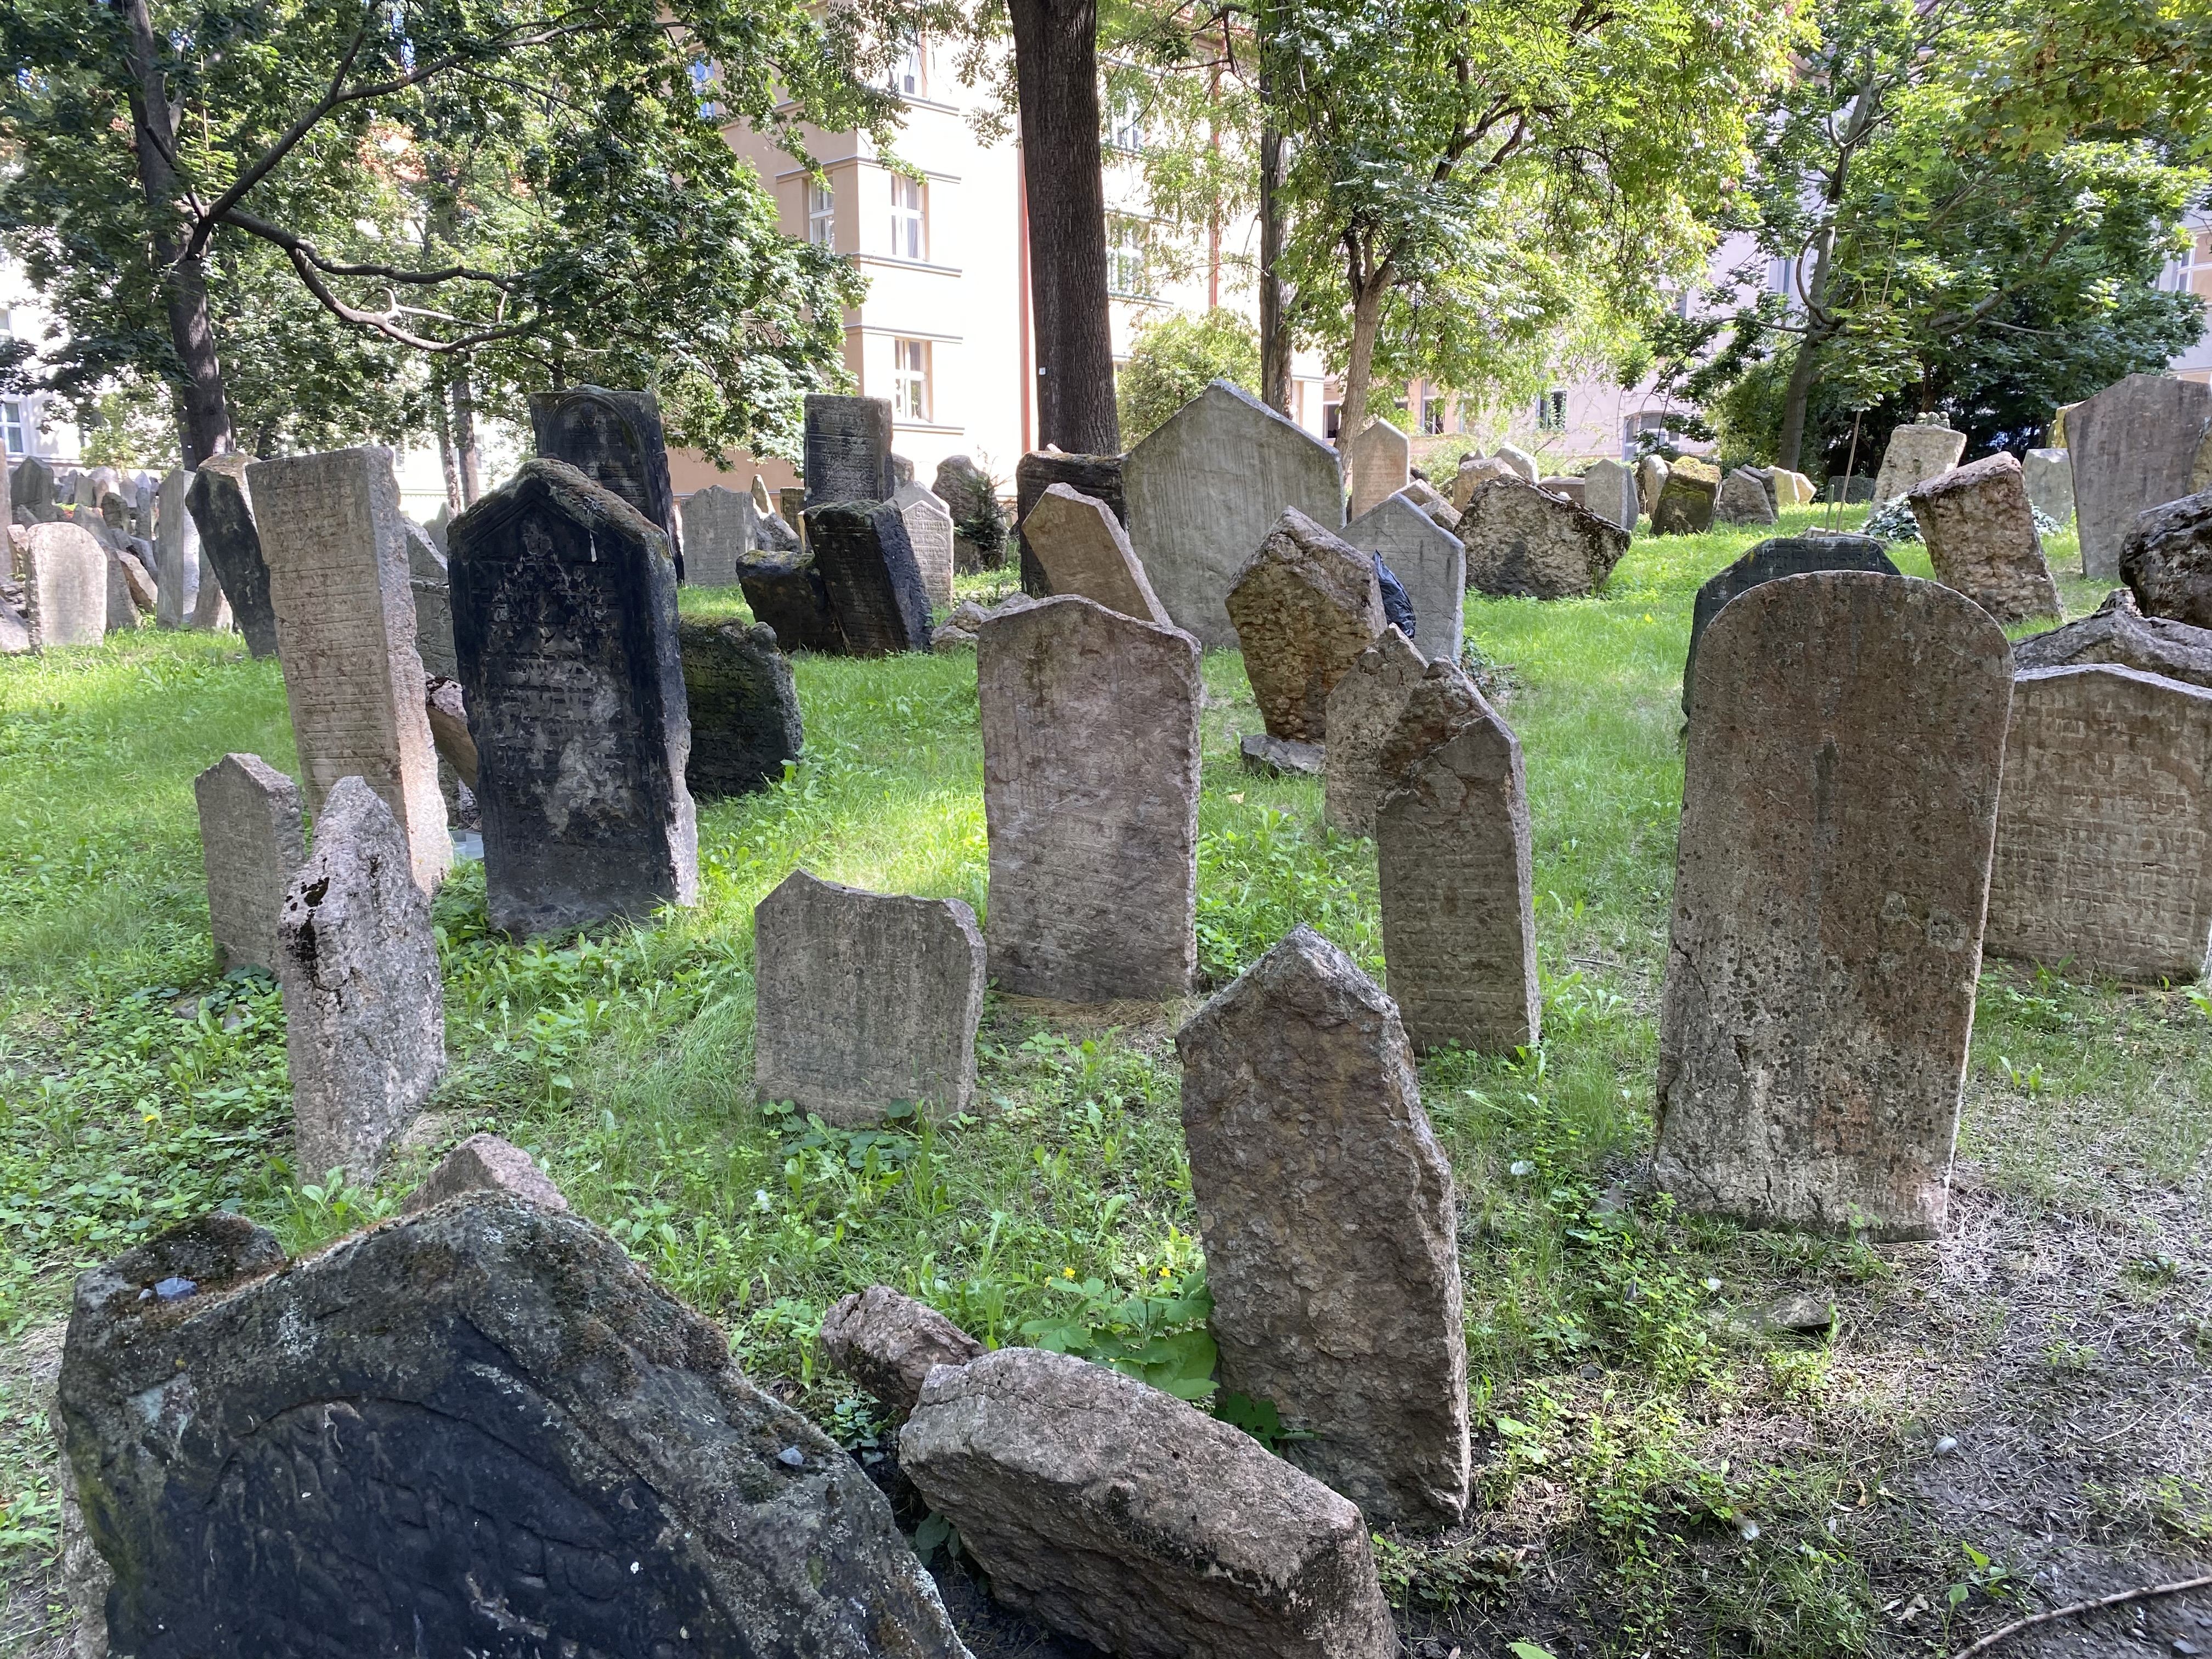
<point x="1611" y="1345"/>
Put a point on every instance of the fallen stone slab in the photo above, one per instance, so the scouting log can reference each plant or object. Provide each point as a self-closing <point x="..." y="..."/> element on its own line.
<point x="2116" y="632"/>
<point x="485" y="1164"/>
<point x="2167" y="559"/>
<point x="889" y="1344"/>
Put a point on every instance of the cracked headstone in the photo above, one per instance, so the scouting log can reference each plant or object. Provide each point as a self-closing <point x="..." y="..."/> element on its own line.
<point x="743" y="708"/>
<point x="250" y="844"/>
<point x="889" y="1344"/>
<point x="1980" y="533"/>
<point x="1304" y="604"/>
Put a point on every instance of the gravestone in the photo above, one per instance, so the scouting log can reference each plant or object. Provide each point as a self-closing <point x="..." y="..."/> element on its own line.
<point x="1609" y="491"/>
<point x="1098" y="477"/>
<point x="2103" y="849"/>
<point x="1651" y="474"/>
<point x="1207" y="486"/>
<point x="176" y="557"/>
<point x="15" y="632"/>
<point x="1432" y="501"/>
<point x="1305" y="604"/>
<point x="435" y="526"/>
<point x="1685" y="506"/>
<point x="336" y="547"/>
<point x="2119" y="633"/>
<point x="2167" y="559"/>
<point x="1378" y="465"/>
<point x="564" y="620"/>
<point x="483" y="1429"/>
<point x="786" y="592"/>
<point x="66" y="576"/>
<point x="2049" y="475"/>
<point x="1772" y="559"/>
<point x="869" y="572"/>
<point x="1566" y="488"/>
<point x="122" y="609"/>
<point x="1327" y="1210"/>
<point x="848" y="450"/>
<point x="1839" y="799"/>
<point x="364" y="1010"/>
<point x="1452" y="852"/>
<point x="2133" y="448"/>
<point x="210" y="609"/>
<point x="1743" y="500"/>
<point x="1770" y="484"/>
<point x="1857" y="487"/>
<point x="1918" y="451"/>
<point x="791" y="508"/>
<point x="929" y="532"/>
<point x="427" y="579"/>
<point x="1090" y="770"/>
<point x="31" y="490"/>
<point x="1428" y="559"/>
<point x="1083" y="552"/>
<point x="865" y="1001"/>
<point x="718" y="536"/>
<point x="1522" y="541"/>
<point x="614" y="439"/>
<point x="1474" y="472"/>
<point x="1980" y="533"/>
<point x="221" y="506"/>
<point x="889" y="1344"/>
<point x="1363" y="711"/>
<point x="1520" y="460"/>
<point x="449" y="713"/>
<point x="979" y="531"/>
<point x="743" y="708"/>
<point x="485" y="1164"/>
<point x="251" y="842"/>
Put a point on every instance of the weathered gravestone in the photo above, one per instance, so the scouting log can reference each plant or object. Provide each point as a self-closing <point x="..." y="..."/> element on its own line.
<point x="485" y="1164"/>
<point x="718" y="536"/>
<point x="1918" y="450"/>
<point x="2049" y="476"/>
<point x="1684" y="506"/>
<point x="1430" y="560"/>
<point x="743" y="708"/>
<point x="786" y="590"/>
<point x="564" y="620"/>
<point x="1083" y="552"/>
<point x="478" y="1430"/>
<point x="340" y="589"/>
<point x="979" y="529"/>
<point x="1090" y="769"/>
<point x="2116" y="632"/>
<point x="2104" y="850"/>
<point x="848" y="454"/>
<point x="1364" y="708"/>
<point x="1452" y="849"/>
<point x="221" y="507"/>
<point x="31" y="490"/>
<point x="435" y="526"/>
<point x="1980" y="533"/>
<point x="1098" y="477"/>
<point x="15" y="632"/>
<point x="432" y="587"/>
<point x="251" y="842"/>
<point x="1522" y="540"/>
<point x="1330" y="1230"/>
<point x="614" y="439"/>
<point x="1566" y="488"/>
<point x="869" y="572"/>
<point x="2167" y="559"/>
<point x="1474" y="472"/>
<point x="1857" y="487"/>
<point x="364" y="1010"/>
<point x="791" y="506"/>
<point x="1118" y="1515"/>
<point x="1378" y="464"/>
<point x="1839" y="799"/>
<point x="122" y="609"/>
<point x="1651" y="475"/>
<point x="889" y="1344"/>
<point x="929" y="532"/>
<point x="1305" y="604"/>
<point x="1609" y="491"/>
<point x="1743" y="499"/>
<point x="2133" y="448"/>
<point x="1432" y="501"/>
<point x="1520" y="460"/>
<point x="66" y="576"/>
<point x="865" y="1001"/>
<point x="1772" y="559"/>
<point x="177" y="556"/>
<point x="1207" y="486"/>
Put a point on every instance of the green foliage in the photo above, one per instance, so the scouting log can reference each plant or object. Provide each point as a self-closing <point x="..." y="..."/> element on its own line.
<point x="1157" y="1335"/>
<point x="1174" y="356"/>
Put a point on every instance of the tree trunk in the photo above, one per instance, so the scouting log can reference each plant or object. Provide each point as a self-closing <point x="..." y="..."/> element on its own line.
<point x="1804" y="375"/>
<point x="1274" y="294"/>
<point x="464" y="435"/>
<point x="1360" y="364"/>
<point x="204" y="412"/>
<point x="1056" y="76"/>
<point x="450" y="464"/>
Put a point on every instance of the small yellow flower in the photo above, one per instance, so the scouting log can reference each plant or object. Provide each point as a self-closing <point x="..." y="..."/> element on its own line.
<point x="1068" y="1272"/>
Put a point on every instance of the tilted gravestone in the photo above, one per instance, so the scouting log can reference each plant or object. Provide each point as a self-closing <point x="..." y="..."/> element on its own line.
<point x="1651" y="475"/>
<point x="743" y="708"/>
<point x="364" y="1009"/>
<point x="979" y="532"/>
<point x="786" y="592"/>
<point x="1378" y="465"/>
<point x="1305" y="604"/>
<point x="2119" y="633"/>
<point x="929" y="532"/>
<point x="1085" y="552"/>
<point x="848" y="450"/>
<point x="2049" y="475"/>
<point x="339" y="587"/>
<point x="251" y="842"/>
<point x="1363" y="708"/>
<point x="65" y="576"/>
<point x="2104" y="850"/>
<point x="865" y="1001"/>
<point x="176" y="557"/>
<point x="1522" y="541"/>
<point x="1098" y="477"/>
<point x="1327" y="1210"/>
<point x="429" y="582"/>
<point x="31" y="490"/>
<point x="1918" y="451"/>
<point x="221" y="506"/>
<point x="2133" y="448"/>
<point x="1980" y="533"/>
<point x="564" y="620"/>
<point x="869" y="572"/>
<point x="1090" y="772"/>
<point x="1839" y="799"/>
<point x="1473" y="472"/>
<point x="614" y="439"/>
<point x="1430" y="560"/>
<point x="122" y="607"/>
<point x="482" y="1429"/>
<point x="1522" y="463"/>
<point x="1772" y="559"/>
<point x="1609" y="491"/>
<point x="2167" y="559"/>
<point x="1743" y="500"/>
<point x="718" y="536"/>
<point x="1686" y="497"/>
<point x="1452" y="848"/>
<point x="1207" y="486"/>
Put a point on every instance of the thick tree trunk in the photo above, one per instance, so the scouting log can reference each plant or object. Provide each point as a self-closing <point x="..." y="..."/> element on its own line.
<point x="465" y="436"/>
<point x="1056" y="75"/>
<point x="1274" y="293"/>
<point x="1359" y="363"/>
<point x="1805" y="372"/>
<point x="203" y="413"/>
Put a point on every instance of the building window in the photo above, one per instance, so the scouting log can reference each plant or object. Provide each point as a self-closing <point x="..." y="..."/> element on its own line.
<point x="1552" y="412"/>
<point x="909" y="229"/>
<point x="908" y="77"/>
<point x="1432" y="415"/>
<point x="1128" y="257"/>
<point x="2192" y="271"/>
<point x="1124" y="124"/>
<point x="1332" y="421"/>
<point x="822" y="215"/>
<point x="910" y="380"/>
<point x="703" y="78"/>
<point x="1778" y="275"/>
<point x="1645" y="429"/>
<point x="15" y="426"/>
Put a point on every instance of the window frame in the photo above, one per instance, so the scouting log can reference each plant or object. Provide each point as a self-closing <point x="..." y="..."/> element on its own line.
<point x="910" y="381"/>
<point x="909" y="219"/>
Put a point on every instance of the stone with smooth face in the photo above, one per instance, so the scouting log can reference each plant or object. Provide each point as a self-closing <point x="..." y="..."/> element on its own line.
<point x="1207" y="486"/>
<point x="138" y="579"/>
<point x="177" y="555"/>
<point x="31" y="490"/>
<point x="1522" y="541"/>
<point x="428" y="580"/>
<point x="614" y="439"/>
<point x="1916" y="453"/>
<point x="889" y="1344"/>
<point x="364" y="1009"/>
<point x="2117" y="633"/>
<point x="1330" y="1229"/>
<point x="1520" y="460"/>
<point x="1743" y="500"/>
<point x="786" y="592"/>
<point x="64" y="586"/>
<point x="1305" y="604"/>
<point x="1085" y="552"/>
<point x="1378" y="465"/>
<point x="1846" y="740"/>
<point x="1686" y="499"/>
<point x="848" y="454"/>
<point x="743" y="707"/>
<point x="485" y="1164"/>
<point x="2049" y="475"/>
<point x="1452" y="848"/>
<point x="873" y="580"/>
<point x="1091" y="771"/>
<point x="251" y="842"/>
<point x="1651" y="474"/>
<point x="866" y="1001"/>
<point x="564" y="620"/>
<point x="718" y="536"/>
<point x="1772" y="559"/>
<point x="929" y="532"/>
<point x="1609" y="491"/>
<point x="1429" y="559"/>
<point x="2133" y="448"/>
<point x="2167" y="559"/>
<point x="482" y="1429"/>
<point x="122" y="609"/>
<point x="1098" y="477"/>
<point x="1473" y="473"/>
<point x="1364" y="708"/>
<point x="336" y="548"/>
<point x="2104" y="850"/>
<point x="1980" y="533"/>
<point x="210" y="609"/>
<point x="221" y="506"/>
<point x="1432" y="501"/>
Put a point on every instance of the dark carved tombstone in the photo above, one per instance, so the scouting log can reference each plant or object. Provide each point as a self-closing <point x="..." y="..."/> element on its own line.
<point x="849" y="450"/>
<point x="745" y="710"/>
<point x="868" y="569"/>
<point x="786" y="592"/>
<point x="1778" y="557"/>
<point x="614" y="439"/>
<point x="230" y="542"/>
<point x="1098" y="477"/>
<point x="565" y="621"/>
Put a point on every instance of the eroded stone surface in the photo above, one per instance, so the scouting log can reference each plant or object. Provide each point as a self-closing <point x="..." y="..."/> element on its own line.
<point x="1085" y="552"/>
<point x="848" y="450"/>
<point x="2133" y="448"/>
<point x="744" y="713"/>
<point x="1305" y="604"/>
<point x="1915" y="452"/>
<point x="614" y="439"/>
<point x="1378" y="465"/>
<point x="1098" y="477"/>
<point x="2167" y="559"/>
<point x="251" y="842"/>
<point x="1425" y="556"/>
<point x="1364" y="709"/>
<point x="428" y="580"/>
<point x="223" y="509"/>
<point x="786" y="592"/>
<point x="1744" y="499"/>
<point x="1772" y="559"/>
<point x="1473" y="472"/>
<point x="929" y="532"/>
<point x="1980" y="533"/>
<point x="1686" y="500"/>
<point x="2116" y="632"/>
<point x="485" y="1164"/>
<point x="1522" y="463"/>
<point x="2049" y="476"/>
<point x="64" y="586"/>
<point x="718" y="536"/>
<point x="1525" y="541"/>
<point x="1609" y="491"/>
<point x="889" y="1344"/>
<point x="869" y="572"/>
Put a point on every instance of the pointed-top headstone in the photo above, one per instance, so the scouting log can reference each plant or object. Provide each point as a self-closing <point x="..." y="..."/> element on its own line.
<point x="1429" y="559"/>
<point x="614" y="439"/>
<point x="1378" y="464"/>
